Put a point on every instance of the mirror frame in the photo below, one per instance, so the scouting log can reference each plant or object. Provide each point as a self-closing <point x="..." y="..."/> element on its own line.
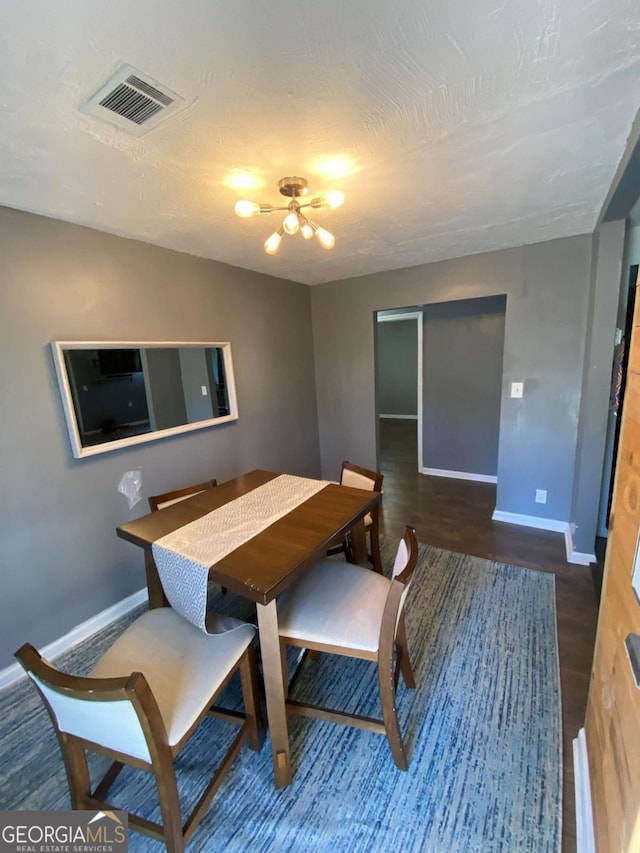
<point x="79" y="451"/>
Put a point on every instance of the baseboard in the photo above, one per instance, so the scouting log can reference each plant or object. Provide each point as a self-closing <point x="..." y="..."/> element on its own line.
<point x="577" y="557"/>
<point x="11" y="674"/>
<point x="459" y="475"/>
<point x="530" y="521"/>
<point x="399" y="417"/>
<point x="585" y="840"/>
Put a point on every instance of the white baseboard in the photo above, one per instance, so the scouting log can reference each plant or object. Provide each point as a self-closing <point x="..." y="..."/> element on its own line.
<point x="585" y="840"/>
<point x="577" y="557"/>
<point x="530" y="521"/>
<point x="12" y="674"/>
<point x="399" y="417"/>
<point x="459" y="475"/>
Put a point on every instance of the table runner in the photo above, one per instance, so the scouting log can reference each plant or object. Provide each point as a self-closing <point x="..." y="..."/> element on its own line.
<point x="183" y="558"/>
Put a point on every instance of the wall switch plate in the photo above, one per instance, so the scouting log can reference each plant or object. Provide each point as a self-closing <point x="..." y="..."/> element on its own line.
<point x="541" y="496"/>
<point x="517" y="389"/>
<point x="204" y="390"/>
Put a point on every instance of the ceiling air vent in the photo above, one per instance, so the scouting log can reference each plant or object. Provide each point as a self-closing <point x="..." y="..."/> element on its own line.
<point x="131" y="100"/>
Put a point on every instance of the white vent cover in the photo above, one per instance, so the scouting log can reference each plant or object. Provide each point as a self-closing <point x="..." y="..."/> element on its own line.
<point x="131" y="100"/>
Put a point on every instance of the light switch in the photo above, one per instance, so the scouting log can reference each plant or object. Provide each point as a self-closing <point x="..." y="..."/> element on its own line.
<point x="517" y="388"/>
<point x="204" y="390"/>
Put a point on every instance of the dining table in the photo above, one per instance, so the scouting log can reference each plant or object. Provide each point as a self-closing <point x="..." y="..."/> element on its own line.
<point x="257" y="553"/>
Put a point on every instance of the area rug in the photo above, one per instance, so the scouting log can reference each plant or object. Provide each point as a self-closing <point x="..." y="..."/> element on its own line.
<point x="483" y="731"/>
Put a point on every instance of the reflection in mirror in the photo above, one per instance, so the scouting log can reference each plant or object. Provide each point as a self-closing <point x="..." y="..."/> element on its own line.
<point x="120" y="394"/>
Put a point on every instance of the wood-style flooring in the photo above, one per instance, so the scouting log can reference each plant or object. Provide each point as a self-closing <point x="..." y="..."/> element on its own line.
<point x="456" y="515"/>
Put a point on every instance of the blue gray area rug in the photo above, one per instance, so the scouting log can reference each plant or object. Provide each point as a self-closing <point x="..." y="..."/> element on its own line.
<point x="484" y="734"/>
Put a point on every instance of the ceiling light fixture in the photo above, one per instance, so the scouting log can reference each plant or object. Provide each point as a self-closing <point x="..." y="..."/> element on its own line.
<point x="294" y="221"/>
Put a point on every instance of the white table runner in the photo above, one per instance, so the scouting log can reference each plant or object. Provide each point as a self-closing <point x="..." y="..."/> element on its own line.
<point x="183" y="557"/>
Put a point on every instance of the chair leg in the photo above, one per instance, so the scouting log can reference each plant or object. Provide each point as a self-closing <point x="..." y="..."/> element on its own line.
<point x="250" y="694"/>
<point x="390" y="713"/>
<point x="167" y="785"/>
<point x="376" y="559"/>
<point x="403" y="654"/>
<point x="285" y="669"/>
<point x="75" y="762"/>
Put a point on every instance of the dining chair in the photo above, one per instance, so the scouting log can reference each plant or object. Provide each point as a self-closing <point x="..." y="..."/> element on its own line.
<point x="168" y="498"/>
<point x="348" y="610"/>
<point x="140" y="705"/>
<point x="361" y="478"/>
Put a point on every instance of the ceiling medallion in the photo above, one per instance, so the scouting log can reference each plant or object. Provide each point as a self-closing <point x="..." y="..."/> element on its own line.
<point x="294" y="221"/>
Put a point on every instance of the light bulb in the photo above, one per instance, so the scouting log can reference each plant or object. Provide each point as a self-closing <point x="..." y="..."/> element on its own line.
<point x="272" y="244"/>
<point x="306" y="231"/>
<point x="334" y="199"/>
<point x="246" y="208"/>
<point x="326" y="238"/>
<point x="291" y="222"/>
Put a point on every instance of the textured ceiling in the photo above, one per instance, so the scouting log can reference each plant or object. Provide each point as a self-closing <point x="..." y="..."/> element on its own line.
<point x="453" y="127"/>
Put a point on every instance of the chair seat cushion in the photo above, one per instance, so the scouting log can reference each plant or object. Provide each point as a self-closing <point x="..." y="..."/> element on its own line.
<point x="335" y="603"/>
<point x="183" y="665"/>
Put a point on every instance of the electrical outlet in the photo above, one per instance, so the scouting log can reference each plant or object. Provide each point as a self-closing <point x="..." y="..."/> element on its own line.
<point x="541" y="496"/>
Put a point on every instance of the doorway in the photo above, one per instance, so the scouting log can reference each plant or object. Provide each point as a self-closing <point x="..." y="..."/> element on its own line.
<point x="399" y="381"/>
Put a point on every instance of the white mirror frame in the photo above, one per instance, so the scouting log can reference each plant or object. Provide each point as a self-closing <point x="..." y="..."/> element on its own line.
<point x="80" y="451"/>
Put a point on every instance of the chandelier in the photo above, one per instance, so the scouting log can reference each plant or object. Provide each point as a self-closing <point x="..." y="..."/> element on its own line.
<point x="294" y="221"/>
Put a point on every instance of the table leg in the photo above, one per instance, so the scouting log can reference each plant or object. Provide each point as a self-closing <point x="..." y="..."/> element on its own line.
<point x="274" y="692"/>
<point x="359" y="544"/>
<point x="157" y="598"/>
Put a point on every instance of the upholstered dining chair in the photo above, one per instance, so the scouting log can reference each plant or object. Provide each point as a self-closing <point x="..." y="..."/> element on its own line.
<point x="168" y="498"/>
<point x="140" y="705"/>
<point x="361" y="478"/>
<point x="348" y="610"/>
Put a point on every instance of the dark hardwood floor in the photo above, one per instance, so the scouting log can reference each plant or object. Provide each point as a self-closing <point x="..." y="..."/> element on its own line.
<point x="456" y="515"/>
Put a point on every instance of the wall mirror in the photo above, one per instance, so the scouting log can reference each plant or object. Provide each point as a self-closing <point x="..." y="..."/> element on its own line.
<point x="116" y="394"/>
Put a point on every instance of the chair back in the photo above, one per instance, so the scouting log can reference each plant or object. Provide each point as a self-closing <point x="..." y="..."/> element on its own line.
<point x="360" y="478"/>
<point x="157" y="502"/>
<point x="401" y="576"/>
<point x="113" y="713"/>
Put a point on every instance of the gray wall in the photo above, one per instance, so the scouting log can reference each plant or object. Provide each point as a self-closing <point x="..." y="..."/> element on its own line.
<point x="463" y="344"/>
<point x="547" y="289"/>
<point x="397" y="373"/>
<point x="61" y="560"/>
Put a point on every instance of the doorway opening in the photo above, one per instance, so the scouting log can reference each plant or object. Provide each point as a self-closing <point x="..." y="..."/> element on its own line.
<point x="439" y="386"/>
<point x="398" y="372"/>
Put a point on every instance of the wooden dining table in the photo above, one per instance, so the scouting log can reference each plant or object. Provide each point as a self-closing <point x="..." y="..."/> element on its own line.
<point x="263" y="566"/>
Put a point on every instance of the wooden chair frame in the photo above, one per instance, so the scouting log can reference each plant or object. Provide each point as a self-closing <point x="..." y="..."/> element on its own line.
<point x="156" y="500"/>
<point x="373" y="530"/>
<point x="392" y="658"/>
<point x="136" y="690"/>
